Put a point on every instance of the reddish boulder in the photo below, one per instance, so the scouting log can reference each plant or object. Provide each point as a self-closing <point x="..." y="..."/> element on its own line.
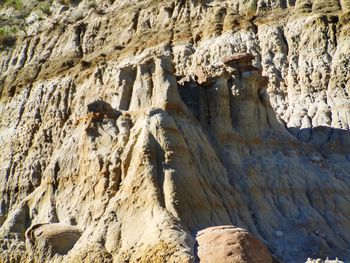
<point x="230" y="244"/>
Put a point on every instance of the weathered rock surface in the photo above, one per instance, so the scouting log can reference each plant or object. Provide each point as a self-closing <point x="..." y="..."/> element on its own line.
<point x="230" y="244"/>
<point x="52" y="238"/>
<point x="309" y="260"/>
<point x="141" y="123"/>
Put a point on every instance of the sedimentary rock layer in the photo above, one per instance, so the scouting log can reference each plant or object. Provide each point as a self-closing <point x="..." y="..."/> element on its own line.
<point x="130" y="127"/>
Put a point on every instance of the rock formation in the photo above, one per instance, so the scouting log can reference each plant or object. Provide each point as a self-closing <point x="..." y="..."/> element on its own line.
<point x="51" y="238"/>
<point x="230" y="244"/>
<point x="128" y="127"/>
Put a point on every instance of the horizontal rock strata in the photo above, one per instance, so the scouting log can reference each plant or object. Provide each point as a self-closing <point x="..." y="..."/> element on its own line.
<point x="128" y="127"/>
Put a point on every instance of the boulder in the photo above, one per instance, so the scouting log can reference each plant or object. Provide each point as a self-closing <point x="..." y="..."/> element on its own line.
<point x="227" y="244"/>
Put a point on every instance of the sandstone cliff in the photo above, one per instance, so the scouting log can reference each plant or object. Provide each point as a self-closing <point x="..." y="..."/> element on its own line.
<point x="127" y="127"/>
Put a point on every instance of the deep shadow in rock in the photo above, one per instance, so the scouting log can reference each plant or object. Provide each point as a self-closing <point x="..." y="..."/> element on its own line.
<point x="103" y="108"/>
<point x="326" y="140"/>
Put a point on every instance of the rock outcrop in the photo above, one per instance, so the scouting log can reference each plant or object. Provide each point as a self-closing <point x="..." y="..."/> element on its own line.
<point x="128" y="127"/>
<point x="51" y="239"/>
<point x="229" y="244"/>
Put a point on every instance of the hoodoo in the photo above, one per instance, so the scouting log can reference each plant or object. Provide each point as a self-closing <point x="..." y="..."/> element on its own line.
<point x="174" y="131"/>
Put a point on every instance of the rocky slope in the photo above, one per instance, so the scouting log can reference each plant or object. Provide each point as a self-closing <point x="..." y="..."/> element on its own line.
<point x="127" y="127"/>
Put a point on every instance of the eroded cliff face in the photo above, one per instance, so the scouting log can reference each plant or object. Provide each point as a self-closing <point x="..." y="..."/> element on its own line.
<point x="126" y="128"/>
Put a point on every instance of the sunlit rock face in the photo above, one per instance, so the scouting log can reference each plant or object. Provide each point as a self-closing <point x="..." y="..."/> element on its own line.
<point x="129" y="129"/>
<point x="230" y="244"/>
